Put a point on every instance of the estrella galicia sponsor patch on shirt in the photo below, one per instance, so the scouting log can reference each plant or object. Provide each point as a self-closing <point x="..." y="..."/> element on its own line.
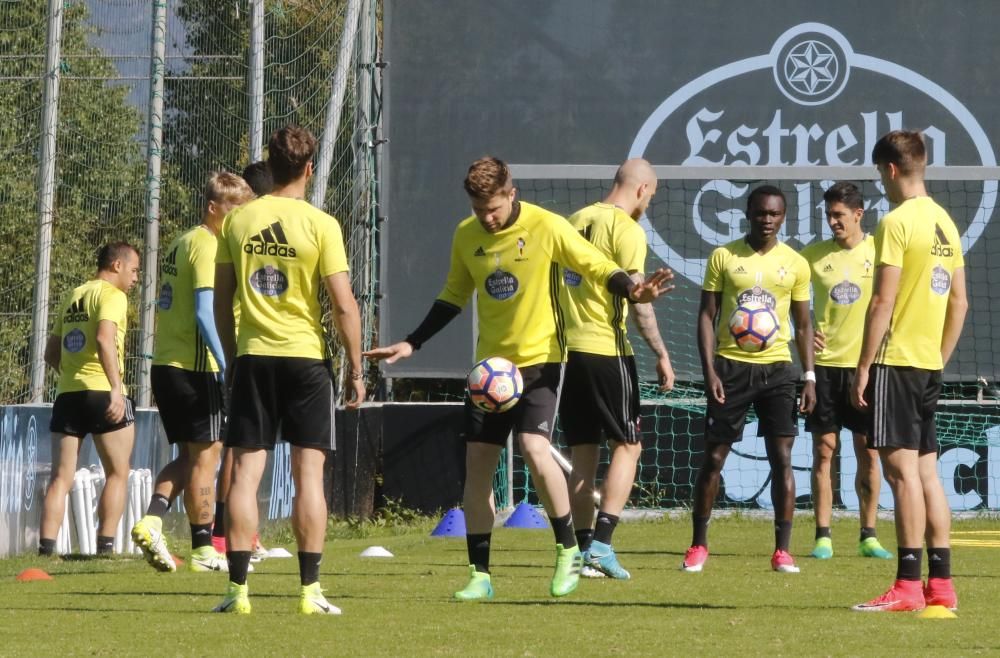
<point x="845" y="293"/>
<point x="269" y="281"/>
<point x="756" y="294"/>
<point x="501" y="285"/>
<point x="166" y="297"/>
<point x="571" y="278"/>
<point x="940" y="280"/>
<point x="74" y="341"/>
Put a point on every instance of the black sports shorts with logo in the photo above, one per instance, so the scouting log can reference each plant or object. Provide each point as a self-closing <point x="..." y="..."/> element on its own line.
<point x="290" y="394"/>
<point x="600" y="394"/>
<point x="191" y="404"/>
<point x="535" y="413"/>
<point x="903" y="401"/>
<point x="80" y="413"/>
<point x="833" y="409"/>
<point x="769" y="387"/>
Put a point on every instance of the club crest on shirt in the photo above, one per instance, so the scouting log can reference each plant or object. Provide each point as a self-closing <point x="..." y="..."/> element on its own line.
<point x="269" y="281"/>
<point x="501" y="285"/>
<point x="74" y="341"/>
<point x="756" y="294"/>
<point x="940" y="280"/>
<point x="166" y="297"/>
<point x="845" y="293"/>
<point x="571" y="278"/>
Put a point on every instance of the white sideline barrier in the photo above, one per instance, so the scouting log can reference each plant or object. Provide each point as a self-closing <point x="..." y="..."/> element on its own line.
<point x="81" y="511"/>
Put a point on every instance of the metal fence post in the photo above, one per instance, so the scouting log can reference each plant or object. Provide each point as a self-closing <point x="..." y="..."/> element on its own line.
<point x="256" y="95"/>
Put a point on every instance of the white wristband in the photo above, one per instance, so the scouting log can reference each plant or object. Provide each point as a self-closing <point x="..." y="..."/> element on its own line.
<point x="809" y="376"/>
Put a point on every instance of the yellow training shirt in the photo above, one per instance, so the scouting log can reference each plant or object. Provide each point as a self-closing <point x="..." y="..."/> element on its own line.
<point x="842" y="287"/>
<point x="776" y="278"/>
<point x="920" y="238"/>
<point x="189" y="265"/>
<point x="516" y="273"/>
<point x="281" y="250"/>
<point x="76" y="325"/>
<point x="595" y="319"/>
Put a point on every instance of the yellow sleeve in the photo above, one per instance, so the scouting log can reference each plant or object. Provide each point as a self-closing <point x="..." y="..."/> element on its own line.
<point x="630" y="252"/>
<point x="458" y="287"/>
<point x="958" y="260"/>
<point x="222" y="254"/>
<point x="713" y="273"/>
<point x="202" y="259"/>
<point x="800" y="291"/>
<point x="333" y="257"/>
<point x="890" y="242"/>
<point x="572" y="250"/>
<point x="112" y="305"/>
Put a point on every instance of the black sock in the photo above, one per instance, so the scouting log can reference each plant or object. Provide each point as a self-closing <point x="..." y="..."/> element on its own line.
<point x="908" y="565"/>
<point x="309" y="567"/>
<point x="201" y="535"/>
<point x="700" y="537"/>
<point x="782" y="535"/>
<point x="938" y="562"/>
<point x="46" y="546"/>
<point x="562" y="528"/>
<point x="158" y="505"/>
<point x="605" y="527"/>
<point x="105" y="545"/>
<point x="583" y="538"/>
<point x="479" y="551"/>
<point x="219" y="529"/>
<point x="239" y="564"/>
<point x="823" y="532"/>
<point x="866" y="533"/>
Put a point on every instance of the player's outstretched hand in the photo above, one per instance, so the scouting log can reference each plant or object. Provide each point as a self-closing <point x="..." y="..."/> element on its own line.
<point x="665" y="373"/>
<point x="808" y="401"/>
<point x="819" y="341"/>
<point x="391" y="354"/>
<point x="116" y="408"/>
<point x="654" y="286"/>
<point x="858" y="389"/>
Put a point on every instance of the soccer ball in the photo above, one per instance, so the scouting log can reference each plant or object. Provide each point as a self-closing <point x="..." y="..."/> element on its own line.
<point x="753" y="326"/>
<point x="495" y="385"/>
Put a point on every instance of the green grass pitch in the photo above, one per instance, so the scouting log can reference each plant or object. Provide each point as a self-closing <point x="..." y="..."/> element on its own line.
<point x="401" y="606"/>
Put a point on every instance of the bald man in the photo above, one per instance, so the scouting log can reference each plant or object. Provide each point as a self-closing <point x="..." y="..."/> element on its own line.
<point x="601" y="391"/>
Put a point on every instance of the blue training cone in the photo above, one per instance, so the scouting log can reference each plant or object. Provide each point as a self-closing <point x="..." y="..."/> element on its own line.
<point x="527" y="517"/>
<point x="451" y="525"/>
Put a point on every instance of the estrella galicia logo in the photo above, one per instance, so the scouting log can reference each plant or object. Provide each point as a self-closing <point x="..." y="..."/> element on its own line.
<point x="74" y="341"/>
<point x="807" y="68"/>
<point x="571" y="278"/>
<point x="270" y="242"/>
<point x="166" y="297"/>
<point x="269" y="281"/>
<point x="940" y="280"/>
<point x="501" y="285"/>
<point x="845" y="293"/>
<point x="757" y="294"/>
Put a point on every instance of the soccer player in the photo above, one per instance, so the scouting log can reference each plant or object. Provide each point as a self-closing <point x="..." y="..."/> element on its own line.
<point x="509" y="252"/>
<point x="186" y="378"/>
<point x="842" y="270"/>
<point x="258" y="177"/>
<point x="757" y="268"/>
<point x="601" y="391"/>
<point x="87" y="347"/>
<point x="915" y="318"/>
<point x="275" y="253"/>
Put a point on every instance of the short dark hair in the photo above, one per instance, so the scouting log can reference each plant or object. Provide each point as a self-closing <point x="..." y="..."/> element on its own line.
<point x="288" y="152"/>
<point x="487" y="177"/>
<point x="846" y="193"/>
<point x="112" y="251"/>
<point x="258" y="177"/>
<point x="766" y="190"/>
<point x="903" y="148"/>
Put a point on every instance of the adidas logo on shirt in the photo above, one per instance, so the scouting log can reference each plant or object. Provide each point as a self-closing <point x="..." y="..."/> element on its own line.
<point x="828" y="268"/>
<point x="76" y="312"/>
<point x="270" y="242"/>
<point x="479" y="252"/>
<point x="941" y="245"/>
<point x="740" y="270"/>
<point x="169" y="265"/>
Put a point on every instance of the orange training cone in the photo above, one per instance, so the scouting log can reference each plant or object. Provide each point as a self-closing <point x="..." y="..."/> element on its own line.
<point x="32" y="574"/>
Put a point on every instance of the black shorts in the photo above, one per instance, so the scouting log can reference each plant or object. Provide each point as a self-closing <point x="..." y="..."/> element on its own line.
<point x="903" y="401"/>
<point x="535" y="413"/>
<point x="80" y="413"/>
<point x="600" y="394"/>
<point x="769" y="387"/>
<point x="191" y="406"/>
<point x="292" y="395"/>
<point x="834" y="410"/>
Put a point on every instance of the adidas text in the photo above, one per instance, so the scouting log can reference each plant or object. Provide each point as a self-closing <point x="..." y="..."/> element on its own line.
<point x="262" y="249"/>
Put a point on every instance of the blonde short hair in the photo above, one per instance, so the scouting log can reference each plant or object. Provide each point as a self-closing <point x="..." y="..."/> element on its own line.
<point x="223" y="186"/>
